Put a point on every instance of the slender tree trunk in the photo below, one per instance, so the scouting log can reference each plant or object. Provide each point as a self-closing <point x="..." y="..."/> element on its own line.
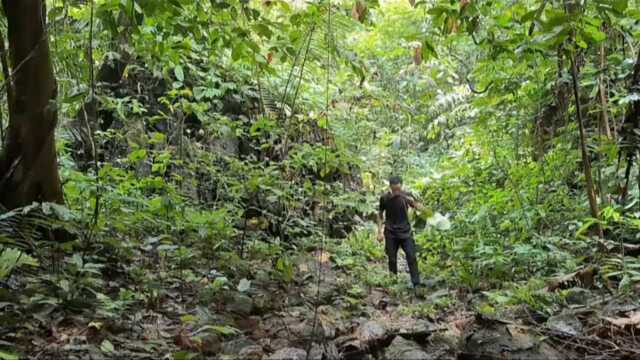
<point x="629" y="131"/>
<point x="7" y="81"/>
<point x="602" y="90"/>
<point x="28" y="162"/>
<point x="586" y="162"/>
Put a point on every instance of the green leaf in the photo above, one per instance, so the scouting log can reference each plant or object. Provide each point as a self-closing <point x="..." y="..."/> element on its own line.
<point x="244" y="285"/>
<point x="220" y="329"/>
<point x="620" y="5"/>
<point x="556" y="18"/>
<point x="107" y="347"/>
<point x="428" y="50"/>
<point x="262" y="30"/>
<point x="184" y="355"/>
<point x="157" y="138"/>
<point x="8" y="356"/>
<point x="179" y="73"/>
<point x="594" y="34"/>
<point x="138" y="155"/>
<point x="580" y="42"/>
<point x="237" y="51"/>
<point x="12" y="258"/>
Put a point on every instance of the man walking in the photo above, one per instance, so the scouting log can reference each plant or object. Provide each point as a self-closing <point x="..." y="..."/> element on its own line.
<point x="394" y="227"/>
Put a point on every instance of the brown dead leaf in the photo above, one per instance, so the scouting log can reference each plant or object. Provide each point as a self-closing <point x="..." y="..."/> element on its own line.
<point x="183" y="341"/>
<point x="459" y="326"/>
<point x="584" y="278"/>
<point x="632" y="320"/>
<point x="322" y="256"/>
<point x="417" y="55"/>
<point x="359" y="10"/>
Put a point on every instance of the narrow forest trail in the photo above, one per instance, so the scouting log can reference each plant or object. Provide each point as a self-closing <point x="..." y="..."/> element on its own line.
<point x="334" y="303"/>
<point x="355" y="321"/>
<point x="359" y="320"/>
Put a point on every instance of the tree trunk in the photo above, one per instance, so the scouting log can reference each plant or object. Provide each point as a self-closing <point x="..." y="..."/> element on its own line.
<point x="629" y="138"/>
<point x="602" y="90"/>
<point x="586" y="162"/>
<point x="28" y="162"/>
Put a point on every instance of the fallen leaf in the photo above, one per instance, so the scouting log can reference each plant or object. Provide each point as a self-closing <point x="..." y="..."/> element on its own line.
<point x="107" y="347"/>
<point x="632" y="320"/>
<point x="584" y="277"/>
<point x="323" y="256"/>
<point x="183" y="341"/>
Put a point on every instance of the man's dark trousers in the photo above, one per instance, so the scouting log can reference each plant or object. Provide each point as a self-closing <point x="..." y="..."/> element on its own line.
<point x="392" y="243"/>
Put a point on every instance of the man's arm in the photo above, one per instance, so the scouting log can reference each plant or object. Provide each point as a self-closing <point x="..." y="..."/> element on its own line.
<point x="414" y="203"/>
<point x="418" y="206"/>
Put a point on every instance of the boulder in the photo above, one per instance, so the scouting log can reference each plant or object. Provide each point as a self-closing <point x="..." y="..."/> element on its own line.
<point x="498" y="340"/>
<point x="236" y="345"/>
<point x="402" y="349"/>
<point x="240" y="304"/>
<point x="252" y="352"/>
<point x="289" y="353"/>
<point x="371" y="332"/>
<point x="565" y="322"/>
<point x="577" y="296"/>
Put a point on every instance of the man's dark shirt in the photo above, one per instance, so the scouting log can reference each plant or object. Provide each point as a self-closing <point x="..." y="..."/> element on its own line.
<point x="395" y="207"/>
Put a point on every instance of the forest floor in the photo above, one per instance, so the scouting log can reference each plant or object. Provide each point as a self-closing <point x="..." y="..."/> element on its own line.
<point x="322" y="308"/>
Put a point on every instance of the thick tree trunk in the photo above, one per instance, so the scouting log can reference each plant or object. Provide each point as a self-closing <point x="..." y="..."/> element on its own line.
<point x="28" y="162"/>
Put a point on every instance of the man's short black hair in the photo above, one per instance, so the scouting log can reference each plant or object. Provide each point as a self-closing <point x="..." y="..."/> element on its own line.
<point x="395" y="180"/>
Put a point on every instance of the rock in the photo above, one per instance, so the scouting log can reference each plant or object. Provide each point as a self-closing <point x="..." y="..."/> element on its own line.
<point x="412" y="328"/>
<point x="437" y="295"/>
<point x="248" y="324"/>
<point x="402" y="349"/>
<point x="211" y="344"/>
<point x="289" y="353"/>
<point x="371" y="332"/>
<point x="448" y="339"/>
<point x="302" y="329"/>
<point x="496" y="340"/>
<point x="316" y="352"/>
<point x="263" y="302"/>
<point x="228" y="143"/>
<point x="240" y="304"/>
<point x="236" y="345"/>
<point x="431" y="283"/>
<point x="325" y="294"/>
<point x="253" y="352"/>
<point x="277" y="344"/>
<point x="565" y="322"/>
<point x="577" y="296"/>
